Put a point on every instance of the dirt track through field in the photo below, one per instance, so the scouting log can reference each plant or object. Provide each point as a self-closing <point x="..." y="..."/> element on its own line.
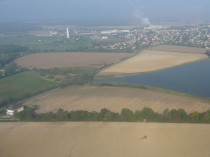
<point x="94" y="98"/>
<point x="104" y="139"/>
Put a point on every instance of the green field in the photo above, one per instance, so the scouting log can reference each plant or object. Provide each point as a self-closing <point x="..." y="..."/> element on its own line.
<point x="48" y="43"/>
<point x="75" y="43"/>
<point x="22" y="84"/>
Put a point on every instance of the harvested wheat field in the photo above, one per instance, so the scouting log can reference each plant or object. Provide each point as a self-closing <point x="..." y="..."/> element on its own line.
<point x="94" y="98"/>
<point x="150" y="60"/>
<point x="67" y="59"/>
<point x="183" y="49"/>
<point x="104" y="139"/>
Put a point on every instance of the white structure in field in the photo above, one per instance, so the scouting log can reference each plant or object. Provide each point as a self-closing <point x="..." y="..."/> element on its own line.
<point x="3" y="72"/>
<point x="10" y="112"/>
<point x="115" y="31"/>
<point x="67" y="33"/>
<point x="14" y="109"/>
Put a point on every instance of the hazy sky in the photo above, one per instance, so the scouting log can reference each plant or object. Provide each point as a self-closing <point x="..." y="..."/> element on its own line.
<point x="101" y="12"/>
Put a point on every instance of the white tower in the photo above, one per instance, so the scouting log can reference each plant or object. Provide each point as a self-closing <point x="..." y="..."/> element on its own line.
<point x="67" y="33"/>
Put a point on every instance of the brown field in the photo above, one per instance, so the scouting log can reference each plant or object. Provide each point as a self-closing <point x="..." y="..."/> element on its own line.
<point x="183" y="49"/>
<point x="104" y="139"/>
<point x="94" y="98"/>
<point x="62" y="59"/>
<point x="150" y="60"/>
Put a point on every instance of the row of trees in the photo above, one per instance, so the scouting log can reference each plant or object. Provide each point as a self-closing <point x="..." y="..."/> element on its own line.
<point x="126" y="115"/>
<point x="10" y="52"/>
<point x="208" y="52"/>
<point x="11" y="48"/>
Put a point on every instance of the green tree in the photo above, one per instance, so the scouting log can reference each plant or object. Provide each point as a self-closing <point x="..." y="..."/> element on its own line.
<point x="206" y="117"/>
<point x="28" y="114"/>
<point x="165" y="116"/>
<point x="148" y="114"/>
<point x="61" y="115"/>
<point x="182" y="114"/>
<point x="194" y="117"/>
<point x="11" y="68"/>
<point x="127" y="115"/>
<point x="105" y="114"/>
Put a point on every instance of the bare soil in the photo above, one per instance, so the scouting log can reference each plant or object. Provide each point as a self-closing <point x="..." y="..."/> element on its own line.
<point x="104" y="139"/>
<point x="94" y="98"/>
<point x="62" y="59"/>
<point x="182" y="49"/>
<point x="151" y="60"/>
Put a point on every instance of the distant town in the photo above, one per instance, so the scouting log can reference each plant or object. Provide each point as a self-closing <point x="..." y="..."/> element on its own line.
<point x="134" y="38"/>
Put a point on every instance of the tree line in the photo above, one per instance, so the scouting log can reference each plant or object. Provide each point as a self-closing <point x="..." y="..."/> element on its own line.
<point x="10" y="52"/>
<point x="208" y="52"/>
<point x="126" y="115"/>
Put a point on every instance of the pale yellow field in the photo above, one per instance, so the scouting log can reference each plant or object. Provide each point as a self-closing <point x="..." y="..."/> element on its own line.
<point x="62" y="59"/>
<point x="183" y="49"/>
<point x="104" y="140"/>
<point x="94" y="98"/>
<point x="150" y="60"/>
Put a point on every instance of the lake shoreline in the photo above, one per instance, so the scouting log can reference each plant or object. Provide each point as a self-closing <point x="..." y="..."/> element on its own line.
<point x="191" y="79"/>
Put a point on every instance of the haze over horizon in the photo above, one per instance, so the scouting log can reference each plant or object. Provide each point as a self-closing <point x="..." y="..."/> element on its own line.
<point x="102" y="12"/>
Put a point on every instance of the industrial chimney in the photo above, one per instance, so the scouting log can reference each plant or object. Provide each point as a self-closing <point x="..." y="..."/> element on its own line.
<point x="67" y="33"/>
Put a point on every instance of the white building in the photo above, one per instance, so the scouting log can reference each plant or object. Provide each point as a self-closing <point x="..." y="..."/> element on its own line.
<point x="3" y="72"/>
<point x="16" y="108"/>
<point x="104" y="37"/>
<point x="115" y="31"/>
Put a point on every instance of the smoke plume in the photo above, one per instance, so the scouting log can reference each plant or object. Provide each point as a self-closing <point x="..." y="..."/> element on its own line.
<point x="145" y="21"/>
<point x="141" y="18"/>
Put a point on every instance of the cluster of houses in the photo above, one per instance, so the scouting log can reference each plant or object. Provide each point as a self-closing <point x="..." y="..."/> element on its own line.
<point x="16" y="108"/>
<point x="11" y="110"/>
